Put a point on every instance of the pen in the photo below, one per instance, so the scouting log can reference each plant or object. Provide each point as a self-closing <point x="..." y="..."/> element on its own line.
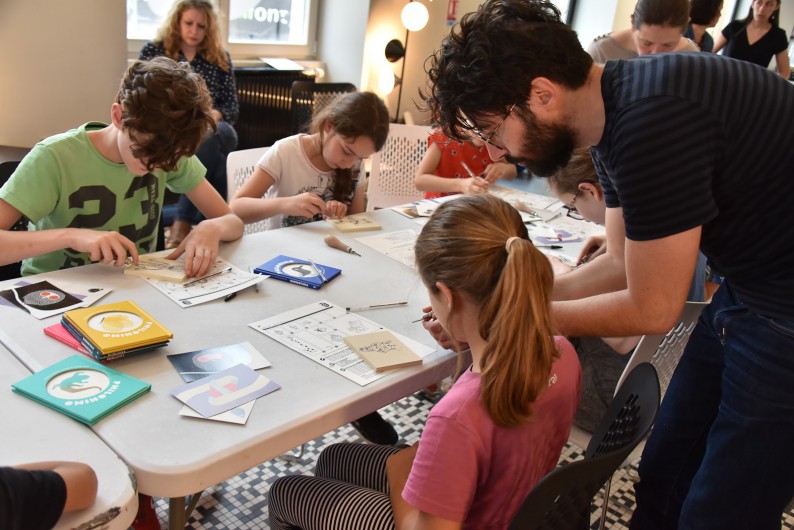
<point x="227" y="269"/>
<point x="554" y="247"/>
<point x="468" y="170"/>
<point x="230" y="296"/>
<point x="251" y="270"/>
<point x="318" y="271"/>
<point x="427" y="316"/>
<point x="374" y="306"/>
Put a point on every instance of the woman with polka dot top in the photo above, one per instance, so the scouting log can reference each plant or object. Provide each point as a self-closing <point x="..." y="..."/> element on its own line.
<point x="191" y="33"/>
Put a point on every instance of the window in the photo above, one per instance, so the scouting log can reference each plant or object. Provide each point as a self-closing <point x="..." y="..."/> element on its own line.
<point x="252" y="28"/>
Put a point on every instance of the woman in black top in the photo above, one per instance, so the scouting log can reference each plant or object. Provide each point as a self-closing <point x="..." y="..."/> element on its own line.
<point x="757" y="38"/>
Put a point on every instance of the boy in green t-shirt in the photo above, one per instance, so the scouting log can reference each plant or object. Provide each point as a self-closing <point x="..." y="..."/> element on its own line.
<point x="95" y="193"/>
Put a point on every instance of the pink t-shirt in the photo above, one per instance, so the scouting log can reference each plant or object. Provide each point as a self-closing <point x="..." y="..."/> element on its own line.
<point x="469" y="470"/>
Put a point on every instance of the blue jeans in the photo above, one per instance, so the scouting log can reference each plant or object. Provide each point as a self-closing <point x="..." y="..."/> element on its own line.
<point x="721" y="454"/>
<point x="212" y="153"/>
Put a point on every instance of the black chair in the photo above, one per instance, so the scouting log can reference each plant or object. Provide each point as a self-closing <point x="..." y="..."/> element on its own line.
<point x="12" y="270"/>
<point x="308" y="98"/>
<point x="561" y="500"/>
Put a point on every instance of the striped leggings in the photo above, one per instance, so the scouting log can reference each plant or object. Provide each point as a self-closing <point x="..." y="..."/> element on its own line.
<point x="349" y="491"/>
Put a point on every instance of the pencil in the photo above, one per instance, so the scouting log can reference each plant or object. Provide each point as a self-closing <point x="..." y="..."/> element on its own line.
<point x="374" y="306"/>
<point x="318" y="270"/>
<point x="227" y="269"/>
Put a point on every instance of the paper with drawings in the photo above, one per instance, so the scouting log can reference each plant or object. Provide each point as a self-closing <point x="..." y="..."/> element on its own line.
<point x="317" y="331"/>
<point x="397" y="245"/>
<point x="50" y="297"/>
<point x="210" y="287"/>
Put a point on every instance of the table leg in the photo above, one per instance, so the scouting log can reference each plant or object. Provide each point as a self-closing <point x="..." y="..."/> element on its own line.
<point x="176" y="513"/>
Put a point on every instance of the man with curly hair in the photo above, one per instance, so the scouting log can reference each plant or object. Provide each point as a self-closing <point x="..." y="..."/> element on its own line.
<point x="689" y="149"/>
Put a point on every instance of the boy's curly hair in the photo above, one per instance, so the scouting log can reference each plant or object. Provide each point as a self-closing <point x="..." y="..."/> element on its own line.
<point x="165" y="108"/>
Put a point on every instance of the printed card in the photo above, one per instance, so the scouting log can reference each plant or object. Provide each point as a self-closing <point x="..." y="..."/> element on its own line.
<point x="194" y="365"/>
<point x="224" y="390"/>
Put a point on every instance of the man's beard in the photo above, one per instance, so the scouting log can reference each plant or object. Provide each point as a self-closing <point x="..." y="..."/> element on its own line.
<point x="546" y="147"/>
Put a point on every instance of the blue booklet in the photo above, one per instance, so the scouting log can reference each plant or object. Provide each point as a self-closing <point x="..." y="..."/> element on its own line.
<point x="81" y="388"/>
<point x="298" y="271"/>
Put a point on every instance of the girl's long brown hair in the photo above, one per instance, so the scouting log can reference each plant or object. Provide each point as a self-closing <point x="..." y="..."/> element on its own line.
<point x="463" y="246"/>
<point x="211" y="49"/>
<point x="352" y="115"/>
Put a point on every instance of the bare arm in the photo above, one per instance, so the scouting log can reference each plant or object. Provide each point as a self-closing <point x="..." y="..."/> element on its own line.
<point x="101" y="246"/>
<point x="248" y="203"/>
<point x="783" y="64"/>
<point x="658" y="274"/>
<point x="406" y="517"/>
<point x="425" y="180"/>
<point x="80" y="480"/>
<point x="202" y="243"/>
<point x="606" y="273"/>
<point x="719" y="43"/>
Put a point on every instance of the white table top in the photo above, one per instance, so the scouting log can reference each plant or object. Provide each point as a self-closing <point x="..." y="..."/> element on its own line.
<point x="34" y="433"/>
<point x="175" y="456"/>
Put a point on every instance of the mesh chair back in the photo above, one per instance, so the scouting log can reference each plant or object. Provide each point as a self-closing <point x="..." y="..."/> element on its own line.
<point x="391" y="180"/>
<point x="11" y="270"/>
<point x="665" y="350"/>
<point x="308" y="98"/>
<point x="562" y="499"/>
<point x="630" y="415"/>
<point x="240" y="165"/>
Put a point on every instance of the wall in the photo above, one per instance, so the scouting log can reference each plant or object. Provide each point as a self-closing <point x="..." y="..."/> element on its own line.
<point x="384" y="24"/>
<point x="342" y="28"/>
<point x="62" y="62"/>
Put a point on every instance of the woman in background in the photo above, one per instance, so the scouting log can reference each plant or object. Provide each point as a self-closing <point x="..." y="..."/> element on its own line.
<point x="703" y="14"/>
<point x="656" y="26"/>
<point x="757" y="38"/>
<point x="192" y="34"/>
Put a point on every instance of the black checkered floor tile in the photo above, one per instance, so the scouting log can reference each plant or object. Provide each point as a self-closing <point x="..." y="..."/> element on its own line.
<point x="240" y="503"/>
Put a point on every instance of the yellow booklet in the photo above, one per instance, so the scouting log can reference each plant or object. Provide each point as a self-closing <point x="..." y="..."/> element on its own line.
<point x="117" y="327"/>
<point x="355" y="223"/>
<point x="382" y="350"/>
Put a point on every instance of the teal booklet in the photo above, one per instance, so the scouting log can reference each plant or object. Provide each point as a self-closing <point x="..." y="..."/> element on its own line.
<point x="81" y="388"/>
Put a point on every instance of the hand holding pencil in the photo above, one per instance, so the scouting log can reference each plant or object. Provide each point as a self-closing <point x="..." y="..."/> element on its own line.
<point x="475" y="184"/>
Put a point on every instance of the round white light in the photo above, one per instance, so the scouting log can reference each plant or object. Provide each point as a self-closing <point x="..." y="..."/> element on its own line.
<point x="414" y="16"/>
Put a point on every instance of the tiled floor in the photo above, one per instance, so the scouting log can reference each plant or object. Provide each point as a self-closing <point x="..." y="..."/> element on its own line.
<point x="241" y="502"/>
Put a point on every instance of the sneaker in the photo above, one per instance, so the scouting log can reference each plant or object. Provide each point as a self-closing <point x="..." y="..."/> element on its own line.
<point x="375" y="429"/>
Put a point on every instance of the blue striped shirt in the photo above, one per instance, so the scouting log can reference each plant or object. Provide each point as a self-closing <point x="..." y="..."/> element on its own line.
<point x="694" y="139"/>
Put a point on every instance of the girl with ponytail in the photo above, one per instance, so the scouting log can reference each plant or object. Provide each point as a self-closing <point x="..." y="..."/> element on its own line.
<point x="502" y="425"/>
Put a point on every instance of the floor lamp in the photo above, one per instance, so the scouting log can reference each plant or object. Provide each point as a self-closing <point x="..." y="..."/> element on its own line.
<point x="414" y="17"/>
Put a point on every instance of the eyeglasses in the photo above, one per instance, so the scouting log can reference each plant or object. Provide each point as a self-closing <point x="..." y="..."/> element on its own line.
<point x="573" y="213"/>
<point x="489" y="139"/>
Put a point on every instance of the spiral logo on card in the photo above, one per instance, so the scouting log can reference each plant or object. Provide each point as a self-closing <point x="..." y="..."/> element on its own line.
<point x="44" y="297"/>
<point x="78" y="384"/>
